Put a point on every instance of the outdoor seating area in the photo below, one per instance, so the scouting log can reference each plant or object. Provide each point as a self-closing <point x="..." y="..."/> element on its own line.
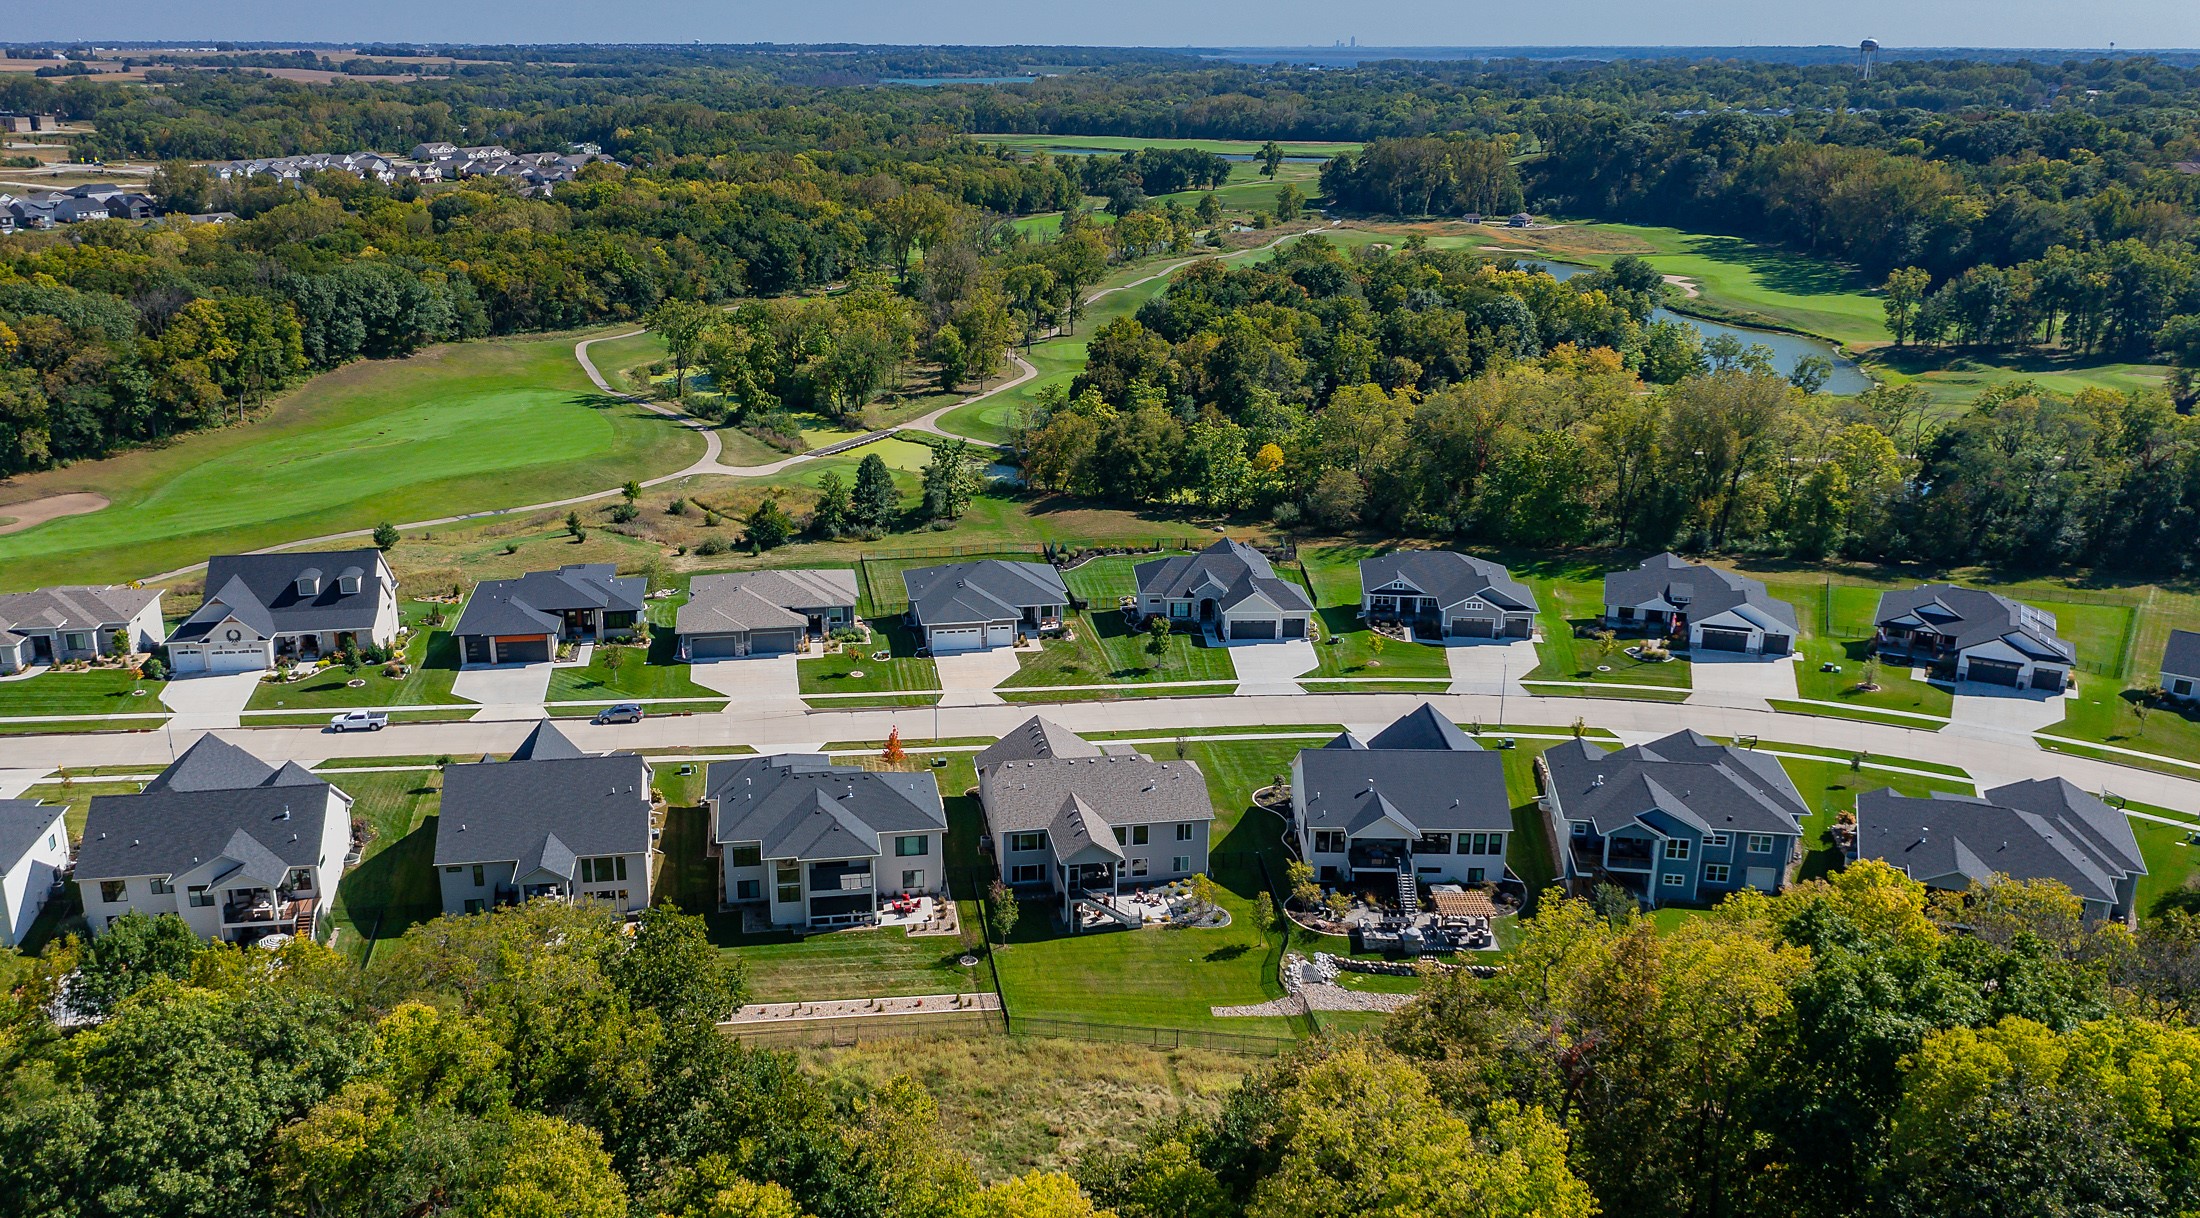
<point x="919" y="915"/>
<point x="1424" y="934"/>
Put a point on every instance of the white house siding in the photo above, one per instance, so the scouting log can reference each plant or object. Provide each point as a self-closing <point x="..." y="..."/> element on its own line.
<point x="25" y="887"/>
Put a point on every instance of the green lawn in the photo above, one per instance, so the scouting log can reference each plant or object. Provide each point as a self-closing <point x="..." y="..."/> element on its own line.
<point x="458" y="428"/>
<point x="98" y="691"/>
<point x="2102" y="713"/>
<point x="1107" y="650"/>
<point x="1347" y="648"/>
<point x="433" y="655"/>
<point x="394" y="886"/>
<point x="1570" y="603"/>
<point x="2171" y="862"/>
<point x="1829" y="787"/>
<point x="1132" y="143"/>
<point x="1754" y="284"/>
<point x="1955" y="379"/>
<point x="77" y="794"/>
<point x="1837" y="624"/>
<point x="655" y="673"/>
<point x="838" y="673"/>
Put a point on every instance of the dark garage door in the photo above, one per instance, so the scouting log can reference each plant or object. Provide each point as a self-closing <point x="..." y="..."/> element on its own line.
<point x="1294" y="627"/>
<point x="713" y="646"/>
<point x="477" y="649"/>
<point x="1725" y="640"/>
<point x="2047" y="679"/>
<point x="773" y="642"/>
<point x="1995" y="672"/>
<point x="1474" y="627"/>
<point x="1520" y="628"/>
<point x="1777" y="644"/>
<point x="1264" y="629"/>
<point x="524" y="650"/>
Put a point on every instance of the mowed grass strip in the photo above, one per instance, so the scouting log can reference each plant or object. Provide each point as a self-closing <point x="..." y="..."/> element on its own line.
<point x="1347" y="647"/>
<point x="394" y="886"/>
<point x="874" y="963"/>
<point x="458" y="428"/>
<point x="98" y="691"/>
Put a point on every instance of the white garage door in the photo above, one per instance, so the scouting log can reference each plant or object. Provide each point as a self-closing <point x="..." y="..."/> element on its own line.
<point x="960" y="638"/>
<point x="1002" y="634"/>
<point x="234" y="659"/>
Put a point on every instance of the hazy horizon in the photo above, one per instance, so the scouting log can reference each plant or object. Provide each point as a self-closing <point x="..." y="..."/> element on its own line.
<point x="1982" y="24"/>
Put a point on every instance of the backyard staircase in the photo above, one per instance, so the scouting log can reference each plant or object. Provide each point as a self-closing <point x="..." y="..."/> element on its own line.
<point x="1128" y="921"/>
<point x="1409" y="886"/>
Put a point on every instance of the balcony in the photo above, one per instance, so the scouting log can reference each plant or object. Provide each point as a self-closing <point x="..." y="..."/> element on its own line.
<point x="1379" y="856"/>
<point x="258" y="907"/>
<point x="1627" y="854"/>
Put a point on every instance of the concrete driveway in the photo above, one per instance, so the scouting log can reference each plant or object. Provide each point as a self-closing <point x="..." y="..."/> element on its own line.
<point x="769" y="680"/>
<point x="505" y="691"/>
<point x="1272" y="667"/>
<point x="209" y="701"/>
<point x="1725" y="679"/>
<point x="1491" y="666"/>
<point x="1996" y="712"/>
<point x="968" y="677"/>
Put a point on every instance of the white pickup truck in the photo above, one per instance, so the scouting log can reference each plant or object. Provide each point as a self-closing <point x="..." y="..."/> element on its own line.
<point x="360" y="721"/>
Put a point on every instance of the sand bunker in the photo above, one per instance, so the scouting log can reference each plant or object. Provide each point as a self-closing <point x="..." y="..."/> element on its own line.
<point x="16" y="517"/>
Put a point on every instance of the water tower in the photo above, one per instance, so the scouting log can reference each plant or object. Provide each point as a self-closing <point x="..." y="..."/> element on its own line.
<point x="1866" y="51"/>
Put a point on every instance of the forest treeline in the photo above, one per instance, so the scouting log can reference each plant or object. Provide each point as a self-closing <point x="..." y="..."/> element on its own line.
<point x="1854" y="1047"/>
<point x="1433" y="393"/>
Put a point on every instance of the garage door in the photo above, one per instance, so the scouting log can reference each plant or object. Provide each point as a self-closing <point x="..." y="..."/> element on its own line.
<point x="1777" y="644"/>
<point x="1264" y="629"/>
<point x="1474" y="627"/>
<point x="713" y="646"/>
<point x="1725" y="640"/>
<point x="960" y="638"/>
<point x="477" y="649"/>
<point x="2048" y="679"/>
<point x="1520" y="628"/>
<point x="1294" y="628"/>
<point x="1002" y="634"/>
<point x="524" y="649"/>
<point x="1995" y="672"/>
<point x="773" y="642"/>
<point x="235" y="659"/>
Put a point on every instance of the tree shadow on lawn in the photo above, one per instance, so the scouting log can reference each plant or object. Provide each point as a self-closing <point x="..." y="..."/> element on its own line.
<point x="1787" y="271"/>
<point x="2133" y="697"/>
<point x="397" y="885"/>
<point x="1916" y="361"/>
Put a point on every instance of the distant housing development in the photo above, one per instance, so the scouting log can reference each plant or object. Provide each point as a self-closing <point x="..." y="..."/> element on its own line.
<point x="538" y="172"/>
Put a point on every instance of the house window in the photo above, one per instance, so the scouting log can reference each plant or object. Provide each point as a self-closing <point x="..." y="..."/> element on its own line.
<point x="475" y="905"/>
<point x="912" y="846"/>
<point x="787" y="877"/>
<point x="1676" y="848"/>
<point x="1716" y="839"/>
<point x="746" y="856"/>
<point x="198" y="897"/>
<point x="1581" y="828"/>
<point x="1760" y="843"/>
<point x="603" y="870"/>
<point x="1475" y="875"/>
<point x="1434" y="843"/>
<point x="1025" y="843"/>
<point x="1138" y="867"/>
<point x="481" y="876"/>
<point x="1138" y="834"/>
<point x="2182" y="687"/>
<point x="748" y="890"/>
<point x="1181" y="863"/>
<point x="1178" y="609"/>
<point x="300" y="880"/>
<point x="52" y="843"/>
<point x="912" y="880"/>
<point x="1184" y="832"/>
<point x="1497" y="844"/>
<point x="1329" y="841"/>
<point x="1673" y="880"/>
<point x="1026" y="873"/>
<point x="1627" y="613"/>
<point x="164" y="887"/>
<point x="112" y="891"/>
<point x="1715" y="873"/>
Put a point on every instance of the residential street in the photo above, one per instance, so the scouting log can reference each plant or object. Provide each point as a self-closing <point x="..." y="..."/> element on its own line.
<point x="2000" y="759"/>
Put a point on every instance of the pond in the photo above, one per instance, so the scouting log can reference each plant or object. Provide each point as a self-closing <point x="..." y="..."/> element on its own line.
<point x="1847" y="378"/>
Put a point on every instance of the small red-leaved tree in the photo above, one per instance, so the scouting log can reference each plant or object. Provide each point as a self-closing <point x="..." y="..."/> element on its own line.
<point x="894" y="752"/>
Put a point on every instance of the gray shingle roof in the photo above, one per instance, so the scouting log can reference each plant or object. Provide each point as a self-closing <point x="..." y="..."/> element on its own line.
<point x="1716" y="788"/>
<point x="74" y="608"/>
<point x="192" y="814"/>
<point x="804" y="807"/>
<point x="2042" y="829"/>
<point x="751" y="600"/>
<point x="1972" y="616"/>
<point x="526" y="605"/>
<point x="1697" y="589"/>
<point x="2181" y="655"/>
<point x="1119" y="789"/>
<point x="1035" y="738"/>
<point x="1449" y="577"/>
<point x="989" y="590"/>
<point x="1229" y="571"/>
<point x="1421" y="771"/>
<point x="498" y="811"/>
<point x="22" y="823"/>
<point x="546" y="743"/>
<point x="261" y="589"/>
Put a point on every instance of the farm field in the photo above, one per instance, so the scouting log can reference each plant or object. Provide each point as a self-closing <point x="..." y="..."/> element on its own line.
<point x="458" y="428"/>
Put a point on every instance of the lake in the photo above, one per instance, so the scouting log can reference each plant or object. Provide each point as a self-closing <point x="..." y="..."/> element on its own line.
<point x="1847" y="378"/>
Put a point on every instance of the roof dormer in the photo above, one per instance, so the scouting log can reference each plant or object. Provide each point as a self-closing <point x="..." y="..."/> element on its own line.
<point x="348" y="580"/>
<point x="309" y="582"/>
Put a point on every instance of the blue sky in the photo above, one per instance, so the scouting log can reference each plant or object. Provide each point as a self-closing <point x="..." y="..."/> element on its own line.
<point x="2008" y="23"/>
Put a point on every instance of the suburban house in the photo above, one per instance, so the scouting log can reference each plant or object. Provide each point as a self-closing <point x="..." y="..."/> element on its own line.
<point x="34" y="851"/>
<point x="1227" y="589"/>
<point x="1089" y="827"/>
<point x="1035" y="739"/>
<point x="522" y="621"/>
<point x="264" y="608"/>
<point x="1417" y="803"/>
<point x="1977" y="635"/>
<point x="76" y="623"/>
<point x="237" y="848"/>
<point x="1716" y="609"/>
<point x="2042" y="829"/>
<point x="2181" y="665"/>
<point x="1445" y="595"/>
<point x="968" y="606"/>
<point x="1677" y="820"/>
<point x="763" y="612"/>
<point x="811" y="844"/>
<point x="551" y="822"/>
